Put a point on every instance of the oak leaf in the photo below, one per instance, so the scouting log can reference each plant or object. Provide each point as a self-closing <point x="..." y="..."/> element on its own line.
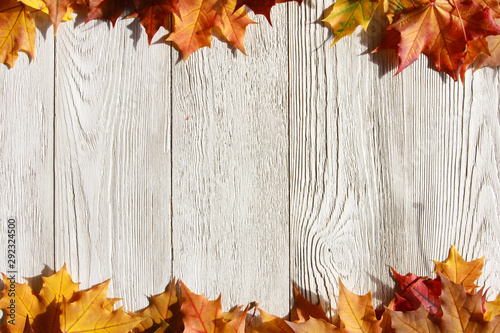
<point x="193" y="29"/>
<point x="459" y="271"/>
<point x="17" y="31"/>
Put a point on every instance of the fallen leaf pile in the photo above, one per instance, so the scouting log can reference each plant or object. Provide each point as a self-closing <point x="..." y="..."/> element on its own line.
<point x="447" y="303"/>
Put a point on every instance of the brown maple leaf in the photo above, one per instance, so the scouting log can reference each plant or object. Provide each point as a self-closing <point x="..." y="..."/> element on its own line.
<point x="17" y="31"/>
<point x="440" y="30"/>
<point x="462" y="312"/>
<point x="302" y="309"/>
<point x="159" y="310"/>
<point x="413" y="321"/>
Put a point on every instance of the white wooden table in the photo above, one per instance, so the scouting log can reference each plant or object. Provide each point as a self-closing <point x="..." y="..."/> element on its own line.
<point x="240" y="174"/>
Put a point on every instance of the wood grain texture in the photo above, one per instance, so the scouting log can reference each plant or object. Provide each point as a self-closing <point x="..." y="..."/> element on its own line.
<point x="112" y="158"/>
<point x="452" y="159"/>
<point x="26" y="157"/>
<point x="230" y="178"/>
<point x="376" y="169"/>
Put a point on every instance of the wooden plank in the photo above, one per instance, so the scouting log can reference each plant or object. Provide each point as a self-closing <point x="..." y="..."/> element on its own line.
<point x="230" y="179"/>
<point x="113" y="158"/>
<point x="453" y="134"/>
<point x="377" y="161"/>
<point x="26" y="157"/>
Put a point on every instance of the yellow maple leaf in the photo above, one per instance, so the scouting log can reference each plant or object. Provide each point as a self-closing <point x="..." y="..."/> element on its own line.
<point x="41" y="6"/>
<point x="17" y="31"/>
<point x="89" y="313"/>
<point x="25" y="303"/>
<point x="460" y="271"/>
<point x="356" y="312"/>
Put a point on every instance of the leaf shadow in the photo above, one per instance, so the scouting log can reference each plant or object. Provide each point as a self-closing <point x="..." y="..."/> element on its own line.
<point x="386" y="60"/>
<point x="136" y="30"/>
<point x="36" y="282"/>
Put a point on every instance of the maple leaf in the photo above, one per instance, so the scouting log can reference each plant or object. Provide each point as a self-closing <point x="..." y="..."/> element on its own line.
<point x="313" y="325"/>
<point x="204" y="316"/>
<point x="27" y="304"/>
<point x="106" y="9"/>
<point x="474" y="49"/>
<point x="493" y="58"/>
<point x="40" y="5"/>
<point x="440" y="31"/>
<point x="89" y="312"/>
<point x="200" y="17"/>
<point x="17" y="31"/>
<point x="58" y="10"/>
<point x="356" y="312"/>
<point x="27" y="326"/>
<point x="459" y="271"/>
<point x="302" y="309"/>
<point x="462" y="312"/>
<point x="492" y="309"/>
<point x="413" y="321"/>
<point x="158" y="311"/>
<point x="262" y="6"/>
<point x="347" y="15"/>
<point x="419" y="290"/>
<point x="270" y="324"/>
<point x="154" y="14"/>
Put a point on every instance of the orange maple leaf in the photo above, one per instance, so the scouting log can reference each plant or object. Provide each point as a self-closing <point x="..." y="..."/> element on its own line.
<point x="58" y="10"/>
<point x="193" y="29"/>
<point x="155" y="14"/>
<point x="17" y="31"/>
<point x="106" y="9"/>
<point x="459" y="271"/>
<point x="204" y="316"/>
<point x="440" y="30"/>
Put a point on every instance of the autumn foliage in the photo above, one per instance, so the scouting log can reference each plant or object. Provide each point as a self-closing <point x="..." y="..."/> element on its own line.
<point x="447" y="303"/>
<point x="454" y="34"/>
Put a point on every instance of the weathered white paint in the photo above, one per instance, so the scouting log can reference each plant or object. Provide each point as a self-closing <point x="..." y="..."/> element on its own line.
<point x="240" y="174"/>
